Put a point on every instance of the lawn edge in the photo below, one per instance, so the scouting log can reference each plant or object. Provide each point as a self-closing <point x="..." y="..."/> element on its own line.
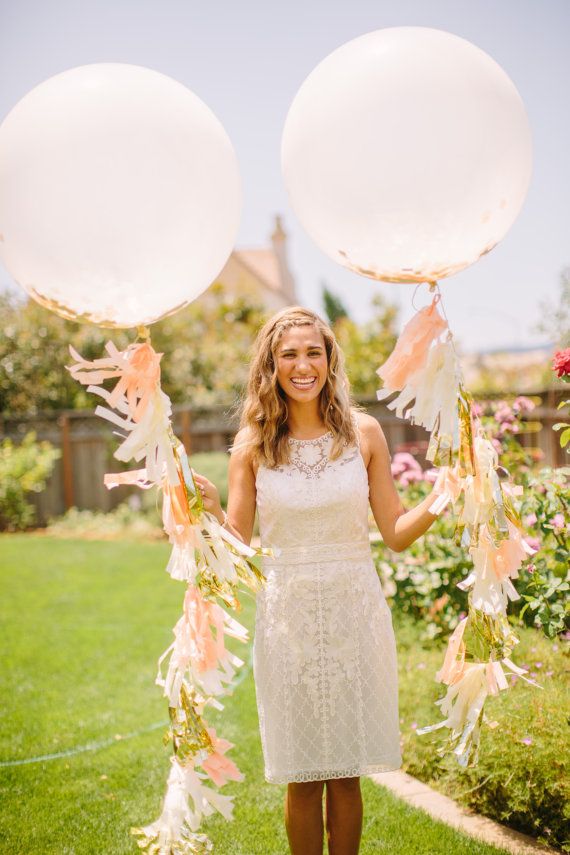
<point x="438" y="806"/>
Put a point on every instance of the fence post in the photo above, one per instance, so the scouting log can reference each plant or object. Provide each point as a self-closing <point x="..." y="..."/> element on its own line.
<point x="67" y="463"/>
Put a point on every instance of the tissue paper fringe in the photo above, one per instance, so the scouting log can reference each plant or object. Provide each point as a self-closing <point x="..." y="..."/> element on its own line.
<point x="423" y="383"/>
<point x="211" y="562"/>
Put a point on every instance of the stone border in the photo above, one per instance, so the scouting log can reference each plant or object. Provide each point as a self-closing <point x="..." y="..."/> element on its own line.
<point x="441" y="807"/>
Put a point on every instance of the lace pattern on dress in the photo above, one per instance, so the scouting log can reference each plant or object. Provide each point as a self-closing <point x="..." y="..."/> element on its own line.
<point x="324" y="647"/>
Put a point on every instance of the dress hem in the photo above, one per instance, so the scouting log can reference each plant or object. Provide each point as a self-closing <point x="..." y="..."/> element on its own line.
<point x="357" y="771"/>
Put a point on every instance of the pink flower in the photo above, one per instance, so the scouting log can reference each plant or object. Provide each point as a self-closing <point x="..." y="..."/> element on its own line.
<point x="410" y="477"/>
<point x="477" y="410"/>
<point x="403" y="460"/>
<point x="561" y="362"/>
<point x="530" y="520"/>
<point x="530" y="568"/>
<point x="523" y="405"/>
<point x="406" y="469"/>
<point x="527" y="741"/>
<point x="558" y="521"/>
<point x="503" y="412"/>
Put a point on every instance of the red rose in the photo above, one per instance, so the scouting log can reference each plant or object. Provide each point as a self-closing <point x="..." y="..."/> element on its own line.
<point x="561" y="362"/>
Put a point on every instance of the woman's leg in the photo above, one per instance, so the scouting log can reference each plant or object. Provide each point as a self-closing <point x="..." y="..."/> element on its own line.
<point x="344" y="816"/>
<point x="304" y="817"/>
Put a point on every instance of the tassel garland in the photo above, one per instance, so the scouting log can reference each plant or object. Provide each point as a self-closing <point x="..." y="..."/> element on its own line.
<point x="213" y="564"/>
<point x="425" y="373"/>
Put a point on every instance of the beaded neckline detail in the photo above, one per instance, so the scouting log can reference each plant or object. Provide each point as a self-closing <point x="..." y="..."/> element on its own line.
<point x="315" y="439"/>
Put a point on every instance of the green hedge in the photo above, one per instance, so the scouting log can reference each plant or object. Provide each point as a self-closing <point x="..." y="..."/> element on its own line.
<point x="24" y="469"/>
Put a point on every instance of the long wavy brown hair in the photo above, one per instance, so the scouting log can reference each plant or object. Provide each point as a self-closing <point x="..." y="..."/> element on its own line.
<point x="264" y="410"/>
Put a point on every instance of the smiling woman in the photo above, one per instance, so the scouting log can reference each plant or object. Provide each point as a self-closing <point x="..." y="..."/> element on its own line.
<point x="301" y="364"/>
<point x="324" y="650"/>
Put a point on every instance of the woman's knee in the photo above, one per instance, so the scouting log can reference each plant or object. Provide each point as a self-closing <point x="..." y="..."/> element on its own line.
<point x="344" y="785"/>
<point x="306" y="791"/>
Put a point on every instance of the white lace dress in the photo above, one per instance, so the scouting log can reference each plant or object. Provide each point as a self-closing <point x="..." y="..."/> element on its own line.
<point x="324" y="650"/>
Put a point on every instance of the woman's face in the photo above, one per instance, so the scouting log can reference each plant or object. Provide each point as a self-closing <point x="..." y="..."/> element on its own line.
<point x="302" y="363"/>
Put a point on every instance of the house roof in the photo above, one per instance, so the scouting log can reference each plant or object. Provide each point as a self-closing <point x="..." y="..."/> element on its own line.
<point x="263" y="264"/>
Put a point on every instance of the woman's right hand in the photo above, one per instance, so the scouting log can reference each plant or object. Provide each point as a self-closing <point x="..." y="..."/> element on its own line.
<point x="210" y="495"/>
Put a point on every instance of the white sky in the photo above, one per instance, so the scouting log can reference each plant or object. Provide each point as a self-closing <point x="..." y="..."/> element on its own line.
<point x="246" y="60"/>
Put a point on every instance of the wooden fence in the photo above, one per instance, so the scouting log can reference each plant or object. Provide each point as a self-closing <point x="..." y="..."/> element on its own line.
<point x="87" y="444"/>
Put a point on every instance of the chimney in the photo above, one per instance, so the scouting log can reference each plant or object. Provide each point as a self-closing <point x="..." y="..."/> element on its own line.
<point x="279" y="243"/>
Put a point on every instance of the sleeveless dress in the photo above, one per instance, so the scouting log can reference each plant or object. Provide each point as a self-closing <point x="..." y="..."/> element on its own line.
<point x="324" y="651"/>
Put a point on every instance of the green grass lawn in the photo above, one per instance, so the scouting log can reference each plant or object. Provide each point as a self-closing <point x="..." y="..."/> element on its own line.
<point x="82" y="626"/>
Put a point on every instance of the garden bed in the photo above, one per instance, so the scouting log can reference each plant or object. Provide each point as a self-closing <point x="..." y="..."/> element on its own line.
<point x="522" y="778"/>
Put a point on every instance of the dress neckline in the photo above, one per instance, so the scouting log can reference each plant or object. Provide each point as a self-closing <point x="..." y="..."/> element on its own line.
<point x="315" y="439"/>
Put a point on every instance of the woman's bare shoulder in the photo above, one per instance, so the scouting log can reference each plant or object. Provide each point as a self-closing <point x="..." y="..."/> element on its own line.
<point x="241" y="449"/>
<point x="369" y="426"/>
<point x="372" y="439"/>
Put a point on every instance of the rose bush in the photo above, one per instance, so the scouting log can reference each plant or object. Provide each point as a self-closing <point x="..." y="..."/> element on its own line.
<point x="422" y="581"/>
<point x="561" y="365"/>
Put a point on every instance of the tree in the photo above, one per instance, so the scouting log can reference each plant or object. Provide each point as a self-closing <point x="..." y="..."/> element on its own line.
<point x="366" y="346"/>
<point x="206" y="350"/>
<point x="555" y="319"/>
<point x="333" y="306"/>
<point x="206" y="347"/>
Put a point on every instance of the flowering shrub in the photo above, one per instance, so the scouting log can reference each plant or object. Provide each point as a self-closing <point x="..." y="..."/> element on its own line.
<point x="423" y="579"/>
<point x="546" y="580"/>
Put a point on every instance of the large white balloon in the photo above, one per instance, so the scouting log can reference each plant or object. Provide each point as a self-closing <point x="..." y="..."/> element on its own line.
<point x="120" y="194"/>
<point x="407" y="154"/>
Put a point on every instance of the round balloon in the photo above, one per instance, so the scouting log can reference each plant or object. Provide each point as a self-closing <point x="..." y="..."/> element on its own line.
<point x="407" y="154"/>
<point x="120" y="194"/>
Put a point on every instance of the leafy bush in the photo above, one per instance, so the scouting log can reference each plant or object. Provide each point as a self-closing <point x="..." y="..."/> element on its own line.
<point x="545" y="584"/>
<point x="423" y="580"/>
<point x="24" y="469"/>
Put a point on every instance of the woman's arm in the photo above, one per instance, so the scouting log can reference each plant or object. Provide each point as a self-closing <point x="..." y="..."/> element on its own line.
<point x="241" y="495"/>
<point x="399" y="528"/>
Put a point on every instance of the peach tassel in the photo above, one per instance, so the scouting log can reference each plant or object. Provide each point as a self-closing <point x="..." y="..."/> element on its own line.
<point x="411" y="351"/>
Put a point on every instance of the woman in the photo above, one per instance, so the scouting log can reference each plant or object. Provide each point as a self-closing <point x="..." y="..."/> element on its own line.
<point x="324" y="649"/>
